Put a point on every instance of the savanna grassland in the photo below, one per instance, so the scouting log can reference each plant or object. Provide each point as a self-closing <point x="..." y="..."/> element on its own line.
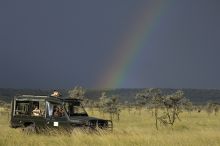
<point x="194" y="129"/>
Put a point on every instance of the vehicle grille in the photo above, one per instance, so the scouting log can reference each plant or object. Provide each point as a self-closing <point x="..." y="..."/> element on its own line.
<point x="102" y="124"/>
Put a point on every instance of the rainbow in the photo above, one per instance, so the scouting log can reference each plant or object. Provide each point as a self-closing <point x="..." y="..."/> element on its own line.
<point x="132" y="44"/>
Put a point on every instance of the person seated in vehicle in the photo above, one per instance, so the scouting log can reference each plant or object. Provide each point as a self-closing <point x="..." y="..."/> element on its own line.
<point x="58" y="111"/>
<point x="61" y="111"/>
<point x="36" y="111"/>
<point x="55" y="94"/>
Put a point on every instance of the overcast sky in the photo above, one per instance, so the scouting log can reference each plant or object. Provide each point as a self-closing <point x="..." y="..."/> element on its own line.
<point x="61" y="44"/>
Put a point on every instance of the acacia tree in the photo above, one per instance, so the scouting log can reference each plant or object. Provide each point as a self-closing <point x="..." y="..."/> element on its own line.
<point x="212" y="107"/>
<point x="91" y="104"/>
<point x="77" y="92"/>
<point x="140" y="101"/>
<point x="153" y="95"/>
<point x="102" y="100"/>
<point x="109" y="105"/>
<point x="188" y="106"/>
<point x="128" y="106"/>
<point x="166" y="108"/>
<point x="173" y="104"/>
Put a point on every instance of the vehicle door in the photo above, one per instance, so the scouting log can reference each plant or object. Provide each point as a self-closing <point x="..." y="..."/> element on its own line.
<point x="56" y="116"/>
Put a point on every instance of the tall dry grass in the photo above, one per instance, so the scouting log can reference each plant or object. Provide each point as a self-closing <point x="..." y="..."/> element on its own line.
<point x="194" y="129"/>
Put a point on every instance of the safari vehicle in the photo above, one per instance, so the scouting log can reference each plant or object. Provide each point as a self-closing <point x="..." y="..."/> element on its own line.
<point x="39" y="112"/>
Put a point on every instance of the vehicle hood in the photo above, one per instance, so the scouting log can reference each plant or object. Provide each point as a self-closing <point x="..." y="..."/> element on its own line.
<point x="84" y="119"/>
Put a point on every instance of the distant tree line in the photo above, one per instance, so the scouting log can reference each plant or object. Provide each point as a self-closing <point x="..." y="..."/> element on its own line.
<point x="196" y="96"/>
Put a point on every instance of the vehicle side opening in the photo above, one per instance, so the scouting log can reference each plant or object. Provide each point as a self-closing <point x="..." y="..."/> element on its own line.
<point x="74" y="108"/>
<point x="29" y="108"/>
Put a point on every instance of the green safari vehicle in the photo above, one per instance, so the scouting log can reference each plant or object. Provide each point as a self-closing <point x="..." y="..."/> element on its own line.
<point x="34" y="113"/>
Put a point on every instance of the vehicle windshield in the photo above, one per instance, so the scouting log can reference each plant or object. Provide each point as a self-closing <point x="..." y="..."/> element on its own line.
<point x="74" y="109"/>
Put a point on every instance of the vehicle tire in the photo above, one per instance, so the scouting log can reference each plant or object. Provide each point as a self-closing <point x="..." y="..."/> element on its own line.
<point x="29" y="129"/>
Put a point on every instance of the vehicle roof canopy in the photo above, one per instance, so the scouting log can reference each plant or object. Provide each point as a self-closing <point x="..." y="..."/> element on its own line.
<point x="45" y="98"/>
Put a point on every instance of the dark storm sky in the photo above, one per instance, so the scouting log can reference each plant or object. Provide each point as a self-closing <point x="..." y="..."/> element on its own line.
<point x="61" y="44"/>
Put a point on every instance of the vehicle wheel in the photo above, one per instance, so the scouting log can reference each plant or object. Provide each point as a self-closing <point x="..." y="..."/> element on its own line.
<point x="29" y="129"/>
